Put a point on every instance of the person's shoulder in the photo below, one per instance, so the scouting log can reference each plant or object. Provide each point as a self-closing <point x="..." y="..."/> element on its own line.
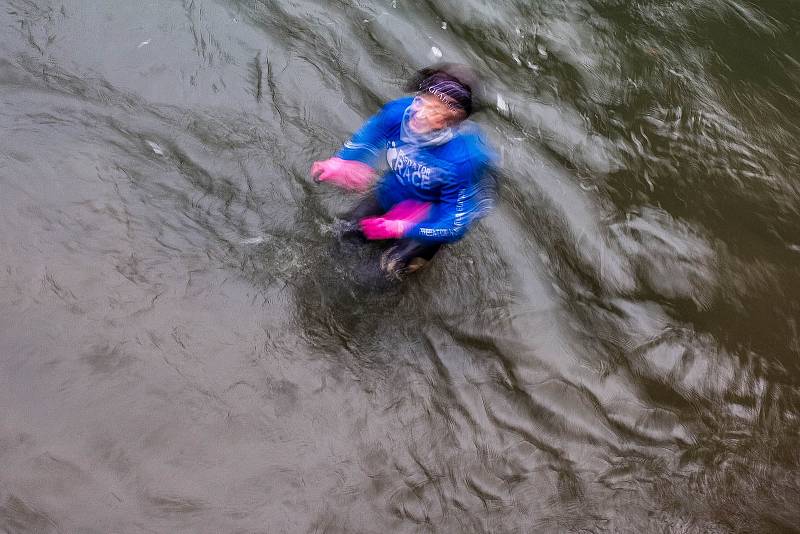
<point x="471" y="134"/>
<point x="397" y="106"/>
<point x="472" y="143"/>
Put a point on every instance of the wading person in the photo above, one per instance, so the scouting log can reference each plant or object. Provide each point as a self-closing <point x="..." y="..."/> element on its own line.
<point x="438" y="163"/>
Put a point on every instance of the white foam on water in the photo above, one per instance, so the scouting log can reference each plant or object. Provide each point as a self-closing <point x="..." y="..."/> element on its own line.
<point x="157" y="149"/>
<point x="502" y="105"/>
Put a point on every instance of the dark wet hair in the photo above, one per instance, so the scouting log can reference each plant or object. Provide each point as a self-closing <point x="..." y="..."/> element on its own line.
<point x="457" y="82"/>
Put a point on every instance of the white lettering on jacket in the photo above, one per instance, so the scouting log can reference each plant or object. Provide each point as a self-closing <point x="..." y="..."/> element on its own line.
<point x="408" y="170"/>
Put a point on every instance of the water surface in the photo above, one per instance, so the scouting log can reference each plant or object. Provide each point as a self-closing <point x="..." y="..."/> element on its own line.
<point x="614" y="349"/>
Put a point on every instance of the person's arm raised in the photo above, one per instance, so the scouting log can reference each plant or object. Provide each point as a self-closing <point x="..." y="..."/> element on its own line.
<point x="353" y="167"/>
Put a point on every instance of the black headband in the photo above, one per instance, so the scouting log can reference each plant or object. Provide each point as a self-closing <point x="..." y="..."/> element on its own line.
<point x="449" y="90"/>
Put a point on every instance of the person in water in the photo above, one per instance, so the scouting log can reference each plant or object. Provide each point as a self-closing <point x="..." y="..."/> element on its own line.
<point x="438" y="163"/>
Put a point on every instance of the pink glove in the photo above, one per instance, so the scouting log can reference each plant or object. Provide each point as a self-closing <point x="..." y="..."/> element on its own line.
<point x="397" y="221"/>
<point x="352" y="175"/>
<point x="409" y="210"/>
<point x="380" y="228"/>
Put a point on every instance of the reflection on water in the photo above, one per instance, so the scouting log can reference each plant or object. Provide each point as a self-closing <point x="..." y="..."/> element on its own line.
<point x="184" y="347"/>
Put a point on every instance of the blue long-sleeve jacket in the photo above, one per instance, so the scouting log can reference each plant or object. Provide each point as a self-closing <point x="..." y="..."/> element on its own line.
<point x="448" y="172"/>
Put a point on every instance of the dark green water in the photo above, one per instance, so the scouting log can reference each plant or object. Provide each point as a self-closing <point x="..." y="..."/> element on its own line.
<point x="614" y="349"/>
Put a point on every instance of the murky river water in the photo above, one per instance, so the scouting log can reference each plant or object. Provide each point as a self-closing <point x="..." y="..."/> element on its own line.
<point x="614" y="349"/>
